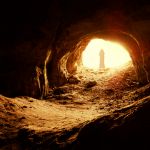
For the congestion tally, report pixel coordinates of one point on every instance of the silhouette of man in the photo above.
(101, 54)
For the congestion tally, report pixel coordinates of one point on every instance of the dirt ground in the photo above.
(87, 96)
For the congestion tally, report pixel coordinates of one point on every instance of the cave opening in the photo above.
(100, 54)
(87, 80)
(100, 60)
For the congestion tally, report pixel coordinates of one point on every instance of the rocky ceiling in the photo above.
(42, 41)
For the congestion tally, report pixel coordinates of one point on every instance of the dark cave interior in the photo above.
(41, 44)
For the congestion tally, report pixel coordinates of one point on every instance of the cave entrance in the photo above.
(103, 60)
(101, 55)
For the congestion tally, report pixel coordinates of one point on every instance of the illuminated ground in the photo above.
(67, 108)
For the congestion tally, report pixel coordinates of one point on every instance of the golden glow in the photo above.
(115, 54)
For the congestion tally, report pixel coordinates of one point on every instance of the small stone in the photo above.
(59, 91)
(73, 80)
(90, 84)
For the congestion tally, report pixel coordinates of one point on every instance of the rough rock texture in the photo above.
(28, 124)
(127, 128)
(42, 42)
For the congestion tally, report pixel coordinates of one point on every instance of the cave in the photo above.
(49, 99)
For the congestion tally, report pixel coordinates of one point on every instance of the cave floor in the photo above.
(69, 106)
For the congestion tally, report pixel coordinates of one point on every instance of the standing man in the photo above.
(102, 59)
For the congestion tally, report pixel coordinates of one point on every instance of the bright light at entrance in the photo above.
(114, 54)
